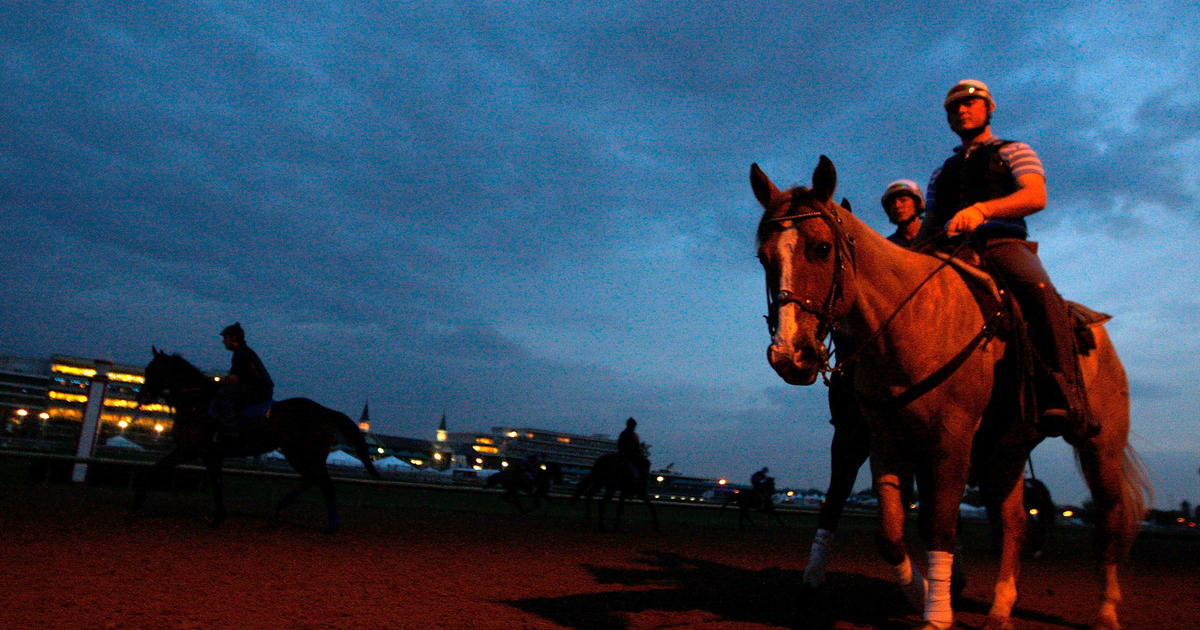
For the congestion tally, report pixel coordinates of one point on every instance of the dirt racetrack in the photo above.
(416, 558)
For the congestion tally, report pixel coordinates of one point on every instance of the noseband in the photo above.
(843, 249)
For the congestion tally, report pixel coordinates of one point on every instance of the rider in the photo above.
(531, 464)
(246, 385)
(629, 445)
(988, 187)
(759, 480)
(904, 204)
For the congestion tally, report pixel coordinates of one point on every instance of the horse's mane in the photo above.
(186, 366)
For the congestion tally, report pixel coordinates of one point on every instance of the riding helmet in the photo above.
(969, 88)
(903, 187)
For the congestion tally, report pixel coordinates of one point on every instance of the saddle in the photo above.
(992, 301)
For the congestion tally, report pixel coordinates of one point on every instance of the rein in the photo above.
(827, 320)
(828, 372)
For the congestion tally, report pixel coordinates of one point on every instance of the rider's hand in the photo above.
(966, 220)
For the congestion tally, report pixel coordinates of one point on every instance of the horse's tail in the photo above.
(349, 429)
(1136, 493)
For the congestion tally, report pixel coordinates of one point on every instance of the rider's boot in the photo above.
(1062, 405)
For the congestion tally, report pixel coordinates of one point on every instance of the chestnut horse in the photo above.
(929, 376)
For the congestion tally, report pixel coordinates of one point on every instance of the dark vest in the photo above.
(981, 177)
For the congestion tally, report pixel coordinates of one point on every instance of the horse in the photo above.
(754, 499)
(938, 401)
(615, 474)
(525, 478)
(302, 429)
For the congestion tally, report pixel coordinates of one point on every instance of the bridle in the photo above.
(843, 250)
(826, 313)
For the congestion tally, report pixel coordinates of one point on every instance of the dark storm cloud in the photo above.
(529, 216)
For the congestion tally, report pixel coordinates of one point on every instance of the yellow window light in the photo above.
(126, 378)
(70, 369)
(77, 398)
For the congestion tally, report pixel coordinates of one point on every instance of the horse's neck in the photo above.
(192, 382)
(900, 295)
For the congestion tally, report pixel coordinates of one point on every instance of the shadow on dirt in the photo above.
(673, 583)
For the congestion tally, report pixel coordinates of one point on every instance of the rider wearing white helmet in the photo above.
(904, 204)
(986, 189)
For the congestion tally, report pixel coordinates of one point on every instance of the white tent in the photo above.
(968, 511)
(120, 441)
(391, 463)
(341, 458)
(275, 454)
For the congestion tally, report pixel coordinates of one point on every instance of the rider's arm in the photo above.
(1028, 198)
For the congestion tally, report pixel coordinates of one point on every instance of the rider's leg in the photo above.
(1050, 330)
(225, 411)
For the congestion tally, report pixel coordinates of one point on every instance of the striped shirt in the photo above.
(1020, 158)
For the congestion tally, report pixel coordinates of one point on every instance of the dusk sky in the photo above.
(539, 215)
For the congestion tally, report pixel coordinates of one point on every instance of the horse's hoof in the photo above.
(995, 622)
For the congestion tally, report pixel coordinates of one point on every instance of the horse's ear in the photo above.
(846, 205)
(764, 189)
(154, 350)
(824, 179)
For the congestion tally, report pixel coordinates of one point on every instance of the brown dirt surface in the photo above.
(407, 558)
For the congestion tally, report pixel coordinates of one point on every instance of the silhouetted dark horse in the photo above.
(615, 474)
(302, 429)
(524, 478)
(1039, 518)
(754, 499)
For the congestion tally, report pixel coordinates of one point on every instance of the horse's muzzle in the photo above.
(796, 366)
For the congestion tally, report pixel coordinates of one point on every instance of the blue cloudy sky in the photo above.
(538, 214)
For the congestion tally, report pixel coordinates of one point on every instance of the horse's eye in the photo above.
(821, 251)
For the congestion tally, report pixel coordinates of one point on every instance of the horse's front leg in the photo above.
(941, 483)
(212, 463)
(153, 474)
(604, 499)
(890, 540)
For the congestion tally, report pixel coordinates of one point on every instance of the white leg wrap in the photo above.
(938, 612)
(818, 555)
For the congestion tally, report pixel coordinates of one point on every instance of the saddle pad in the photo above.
(256, 412)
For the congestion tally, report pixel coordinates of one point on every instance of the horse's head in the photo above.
(167, 374)
(807, 257)
(155, 384)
